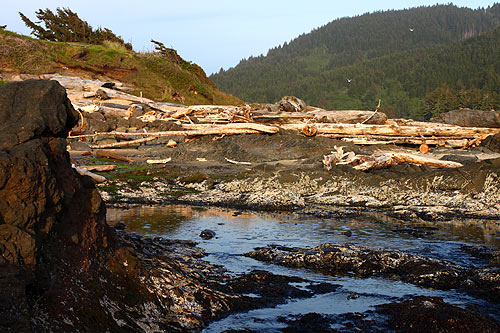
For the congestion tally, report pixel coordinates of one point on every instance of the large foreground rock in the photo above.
(61, 267)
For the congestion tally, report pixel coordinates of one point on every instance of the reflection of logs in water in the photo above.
(166, 219)
(157, 221)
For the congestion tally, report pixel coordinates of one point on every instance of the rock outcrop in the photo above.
(492, 143)
(469, 118)
(364, 262)
(292, 104)
(62, 268)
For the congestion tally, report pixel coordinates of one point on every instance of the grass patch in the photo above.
(111, 188)
(156, 77)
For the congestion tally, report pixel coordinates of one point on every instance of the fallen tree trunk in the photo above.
(411, 122)
(349, 117)
(198, 129)
(392, 130)
(423, 160)
(240, 126)
(280, 118)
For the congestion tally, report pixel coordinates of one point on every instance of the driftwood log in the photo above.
(124, 143)
(349, 117)
(238, 126)
(393, 130)
(453, 142)
(85, 172)
(99, 168)
(382, 160)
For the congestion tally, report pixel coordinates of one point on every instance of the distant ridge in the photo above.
(399, 56)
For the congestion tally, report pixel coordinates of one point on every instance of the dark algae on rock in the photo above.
(365, 262)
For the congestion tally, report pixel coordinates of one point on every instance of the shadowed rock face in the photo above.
(61, 267)
(492, 142)
(47, 213)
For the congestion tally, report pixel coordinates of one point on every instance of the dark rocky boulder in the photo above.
(39, 190)
(62, 268)
(292, 104)
(492, 143)
(470, 118)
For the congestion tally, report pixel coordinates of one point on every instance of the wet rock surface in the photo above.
(286, 173)
(418, 314)
(61, 267)
(207, 234)
(365, 262)
(431, 314)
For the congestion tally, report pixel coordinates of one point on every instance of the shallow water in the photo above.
(239, 232)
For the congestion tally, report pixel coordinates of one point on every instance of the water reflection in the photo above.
(238, 232)
(178, 221)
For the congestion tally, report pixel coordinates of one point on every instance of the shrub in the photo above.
(66, 26)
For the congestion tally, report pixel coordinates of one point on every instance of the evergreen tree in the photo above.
(66, 26)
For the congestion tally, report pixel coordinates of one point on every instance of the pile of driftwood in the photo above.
(381, 160)
(290, 113)
(356, 126)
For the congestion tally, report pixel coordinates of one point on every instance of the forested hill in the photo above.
(399, 56)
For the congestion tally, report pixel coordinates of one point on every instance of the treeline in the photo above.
(399, 56)
(66, 26)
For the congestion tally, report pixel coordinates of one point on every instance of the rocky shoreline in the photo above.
(62, 268)
(294, 179)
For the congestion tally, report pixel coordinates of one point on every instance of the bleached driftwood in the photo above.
(415, 123)
(281, 117)
(349, 117)
(382, 160)
(163, 161)
(243, 126)
(181, 113)
(124, 143)
(195, 130)
(85, 172)
(376, 139)
(391, 130)
(236, 162)
(99, 168)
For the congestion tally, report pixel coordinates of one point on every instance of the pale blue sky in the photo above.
(213, 34)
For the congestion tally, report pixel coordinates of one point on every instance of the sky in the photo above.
(213, 34)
